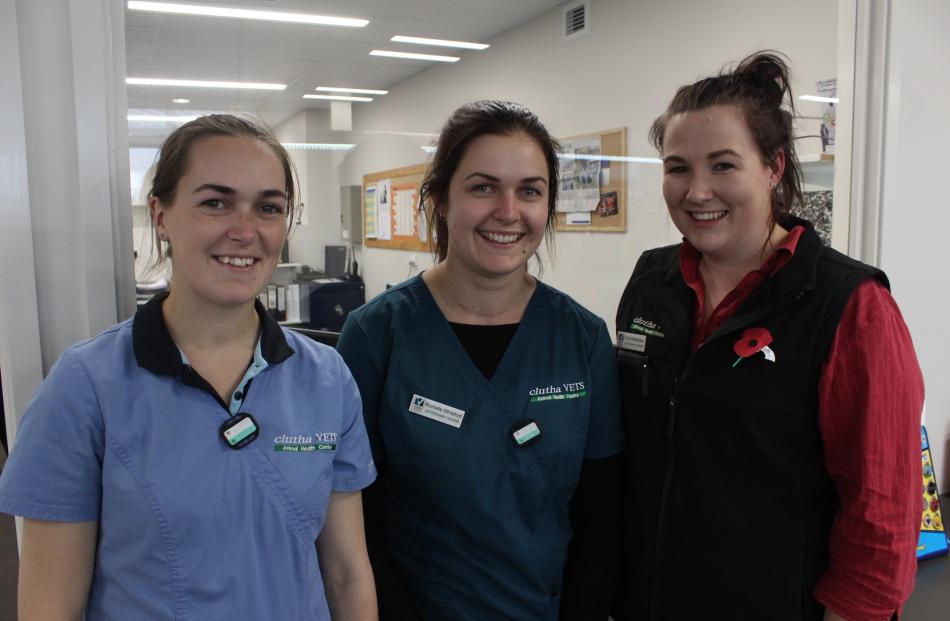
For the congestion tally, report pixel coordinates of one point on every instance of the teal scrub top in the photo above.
(479, 523)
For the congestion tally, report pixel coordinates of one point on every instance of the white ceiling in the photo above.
(298, 55)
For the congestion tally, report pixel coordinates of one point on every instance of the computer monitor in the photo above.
(335, 261)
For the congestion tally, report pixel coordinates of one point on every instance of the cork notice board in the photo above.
(593, 188)
(391, 214)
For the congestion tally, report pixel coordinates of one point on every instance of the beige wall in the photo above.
(621, 74)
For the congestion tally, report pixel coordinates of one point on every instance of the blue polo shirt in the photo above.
(476, 503)
(123, 432)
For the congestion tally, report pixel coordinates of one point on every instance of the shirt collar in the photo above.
(690, 256)
(156, 351)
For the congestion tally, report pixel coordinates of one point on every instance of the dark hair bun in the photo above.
(768, 73)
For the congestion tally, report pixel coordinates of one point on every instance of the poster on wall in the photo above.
(384, 229)
(369, 213)
(404, 207)
(828, 88)
(580, 175)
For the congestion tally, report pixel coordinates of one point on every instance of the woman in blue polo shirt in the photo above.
(490, 399)
(181, 464)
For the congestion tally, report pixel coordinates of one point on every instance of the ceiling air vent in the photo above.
(575, 20)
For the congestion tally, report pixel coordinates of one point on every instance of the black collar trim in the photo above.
(156, 351)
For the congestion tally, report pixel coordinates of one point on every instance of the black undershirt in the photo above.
(485, 345)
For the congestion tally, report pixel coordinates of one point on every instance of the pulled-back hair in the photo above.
(760, 88)
(173, 159)
(480, 118)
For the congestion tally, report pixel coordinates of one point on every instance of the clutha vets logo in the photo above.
(568, 390)
(645, 326)
(302, 443)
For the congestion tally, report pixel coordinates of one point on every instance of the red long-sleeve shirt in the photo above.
(870, 395)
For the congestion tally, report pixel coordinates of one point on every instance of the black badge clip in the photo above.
(525, 432)
(240, 430)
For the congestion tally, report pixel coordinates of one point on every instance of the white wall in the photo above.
(319, 191)
(621, 74)
(915, 218)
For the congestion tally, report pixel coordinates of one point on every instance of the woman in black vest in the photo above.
(771, 391)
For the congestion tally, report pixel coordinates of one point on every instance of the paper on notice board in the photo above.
(580, 175)
(369, 213)
(404, 203)
(423, 225)
(384, 229)
(578, 217)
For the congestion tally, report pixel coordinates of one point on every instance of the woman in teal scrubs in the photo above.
(490, 399)
(181, 464)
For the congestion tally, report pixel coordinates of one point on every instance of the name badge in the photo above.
(239, 430)
(632, 341)
(525, 432)
(439, 412)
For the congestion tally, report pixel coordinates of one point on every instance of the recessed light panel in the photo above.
(338, 97)
(340, 89)
(819, 98)
(155, 118)
(203, 84)
(268, 16)
(411, 56)
(440, 42)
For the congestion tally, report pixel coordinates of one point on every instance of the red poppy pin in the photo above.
(754, 340)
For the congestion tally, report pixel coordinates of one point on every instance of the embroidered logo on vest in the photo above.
(645, 326)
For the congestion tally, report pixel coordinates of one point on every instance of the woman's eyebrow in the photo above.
(223, 189)
(722, 152)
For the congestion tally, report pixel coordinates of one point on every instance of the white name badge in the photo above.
(527, 433)
(436, 411)
(632, 341)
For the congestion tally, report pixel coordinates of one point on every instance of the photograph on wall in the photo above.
(607, 206)
(580, 175)
(817, 210)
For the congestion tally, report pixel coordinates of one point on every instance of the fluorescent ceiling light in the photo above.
(340, 89)
(429, 150)
(441, 59)
(155, 118)
(610, 158)
(204, 84)
(338, 97)
(181, 100)
(818, 98)
(316, 146)
(440, 42)
(269, 16)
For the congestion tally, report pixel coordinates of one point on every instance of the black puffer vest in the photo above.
(729, 503)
